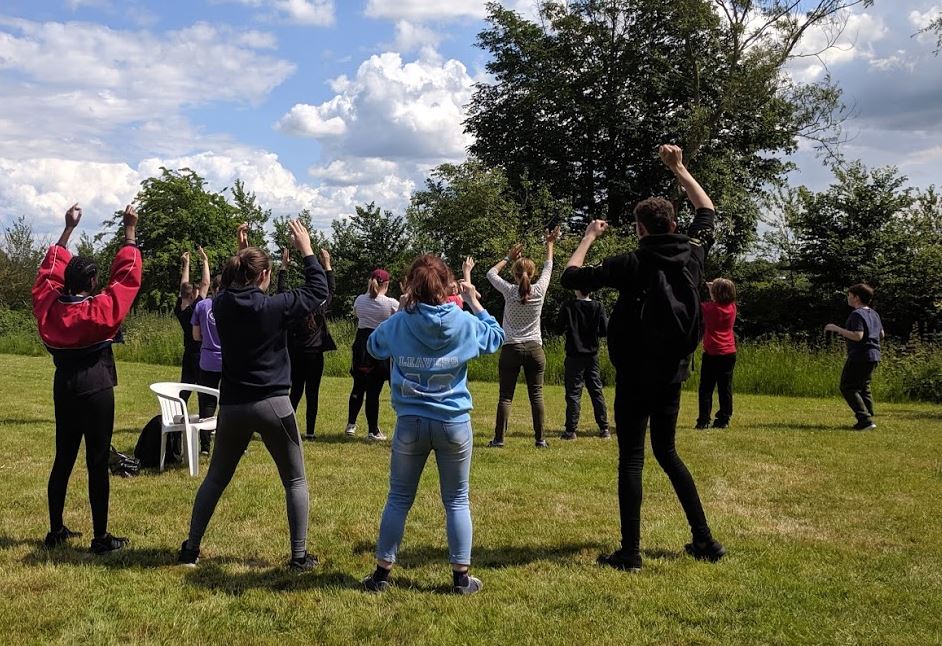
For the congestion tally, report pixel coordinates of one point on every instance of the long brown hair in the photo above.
(428, 281)
(523, 271)
(724, 291)
(244, 268)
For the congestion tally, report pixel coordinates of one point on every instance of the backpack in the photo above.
(148, 446)
(659, 319)
(122, 465)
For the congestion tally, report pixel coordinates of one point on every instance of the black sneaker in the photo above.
(57, 538)
(541, 444)
(474, 586)
(604, 434)
(721, 423)
(702, 426)
(568, 435)
(710, 550)
(864, 425)
(374, 585)
(620, 560)
(108, 543)
(188, 556)
(309, 437)
(304, 563)
(495, 444)
(204, 448)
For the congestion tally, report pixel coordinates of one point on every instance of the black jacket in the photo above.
(633, 363)
(253, 334)
(309, 334)
(583, 323)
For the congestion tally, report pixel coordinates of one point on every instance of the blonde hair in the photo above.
(523, 271)
(373, 287)
(724, 291)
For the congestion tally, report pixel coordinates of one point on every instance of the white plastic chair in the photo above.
(174, 418)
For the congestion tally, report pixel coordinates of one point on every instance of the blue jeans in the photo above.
(415, 438)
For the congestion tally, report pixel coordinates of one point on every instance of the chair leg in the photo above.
(192, 447)
(163, 450)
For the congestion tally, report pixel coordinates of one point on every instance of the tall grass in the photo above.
(772, 366)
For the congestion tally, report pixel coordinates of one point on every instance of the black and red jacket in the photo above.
(78, 330)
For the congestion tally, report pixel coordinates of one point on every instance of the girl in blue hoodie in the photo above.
(430, 343)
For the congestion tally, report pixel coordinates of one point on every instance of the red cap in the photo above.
(380, 275)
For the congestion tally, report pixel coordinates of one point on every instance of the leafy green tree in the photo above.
(372, 238)
(248, 211)
(177, 213)
(580, 101)
(282, 241)
(20, 256)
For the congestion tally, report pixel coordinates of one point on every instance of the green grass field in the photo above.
(833, 536)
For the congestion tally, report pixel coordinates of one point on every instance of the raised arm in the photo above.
(313, 293)
(184, 269)
(324, 258)
(614, 271)
(50, 279)
(493, 274)
(283, 271)
(673, 158)
(205, 277)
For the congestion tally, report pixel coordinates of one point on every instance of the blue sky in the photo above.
(324, 104)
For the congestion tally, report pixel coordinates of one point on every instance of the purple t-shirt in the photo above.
(210, 351)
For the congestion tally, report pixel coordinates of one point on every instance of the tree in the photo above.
(177, 213)
(372, 238)
(282, 240)
(581, 101)
(20, 256)
(248, 211)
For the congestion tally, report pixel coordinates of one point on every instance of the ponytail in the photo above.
(523, 271)
(372, 286)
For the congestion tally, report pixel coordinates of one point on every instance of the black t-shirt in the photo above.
(185, 317)
(867, 321)
(583, 322)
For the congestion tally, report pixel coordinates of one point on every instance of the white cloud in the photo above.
(825, 45)
(922, 19)
(342, 172)
(318, 13)
(392, 110)
(411, 37)
(425, 9)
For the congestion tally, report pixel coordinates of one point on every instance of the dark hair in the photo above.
(724, 291)
(428, 280)
(863, 291)
(81, 275)
(523, 271)
(656, 215)
(217, 283)
(187, 290)
(244, 268)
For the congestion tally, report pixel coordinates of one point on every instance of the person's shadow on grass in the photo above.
(489, 557)
(212, 576)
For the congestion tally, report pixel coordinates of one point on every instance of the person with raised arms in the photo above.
(190, 295)
(78, 328)
(256, 379)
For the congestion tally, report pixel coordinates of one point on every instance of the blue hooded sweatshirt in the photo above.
(430, 348)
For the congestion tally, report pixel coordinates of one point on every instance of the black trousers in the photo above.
(366, 386)
(306, 372)
(189, 372)
(90, 417)
(855, 386)
(716, 372)
(635, 404)
(207, 403)
(579, 370)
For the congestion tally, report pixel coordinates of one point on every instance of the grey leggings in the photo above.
(274, 420)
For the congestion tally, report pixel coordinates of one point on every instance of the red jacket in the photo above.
(718, 321)
(68, 323)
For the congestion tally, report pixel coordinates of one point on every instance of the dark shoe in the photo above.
(374, 585)
(188, 556)
(711, 550)
(309, 437)
(702, 426)
(496, 444)
(568, 435)
(542, 444)
(604, 434)
(204, 448)
(108, 543)
(474, 586)
(57, 538)
(304, 563)
(721, 423)
(621, 561)
(864, 425)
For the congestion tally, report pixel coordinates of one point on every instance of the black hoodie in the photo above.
(252, 332)
(620, 272)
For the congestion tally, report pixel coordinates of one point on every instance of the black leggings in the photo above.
(369, 384)
(189, 372)
(207, 403)
(634, 405)
(306, 372)
(91, 417)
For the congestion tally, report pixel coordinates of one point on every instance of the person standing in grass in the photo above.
(863, 333)
(190, 296)
(523, 348)
(256, 380)
(719, 353)
(583, 322)
(654, 329)
(78, 328)
(369, 375)
(308, 340)
(430, 344)
(205, 333)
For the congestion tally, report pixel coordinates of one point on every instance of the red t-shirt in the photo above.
(718, 320)
(456, 299)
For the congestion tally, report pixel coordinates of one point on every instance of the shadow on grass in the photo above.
(786, 426)
(211, 576)
(487, 557)
(13, 419)
(661, 553)
(907, 413)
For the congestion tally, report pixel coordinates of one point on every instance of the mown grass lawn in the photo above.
(833, 536)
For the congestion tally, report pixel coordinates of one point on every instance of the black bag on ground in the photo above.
(123, 465)
(148, 446)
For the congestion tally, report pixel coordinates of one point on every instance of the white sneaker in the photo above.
(351, 430)
(376, 437)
